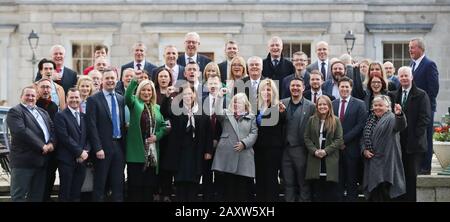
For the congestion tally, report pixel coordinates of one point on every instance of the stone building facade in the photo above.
(381, 28)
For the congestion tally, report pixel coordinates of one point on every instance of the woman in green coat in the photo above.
(146, 128)
(323, 138)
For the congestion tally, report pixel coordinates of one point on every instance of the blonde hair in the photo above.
(240, 97)
(383, 73)
(330, 121)
(144, 83)
(90, 83)
(274, 100)
(241, 60)
(213, 66)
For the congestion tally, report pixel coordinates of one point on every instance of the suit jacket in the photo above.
(426, 77)
(223, 67)
(214, 135)
(308, 95)
(28, 137)
(244, 130)
(171, 159)
(302, 114)
(68, 80)
(418, 115)
(332, 144)
(72, 139)
(316, 65)
(202, 61)
(148, 67)
(354, 120)
(284, 68)
(287, 80)
(99, 122)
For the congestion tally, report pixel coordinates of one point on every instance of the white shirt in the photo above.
(407, 91)
(175, 73)
(346, 105)
(142, 65)
(40, 120)
(73, 113)
(186, 58)
(108, 100)
(418, 62)
(319, 63)
(319, 93)
(335, 91)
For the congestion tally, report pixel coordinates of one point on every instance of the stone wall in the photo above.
(432, 188)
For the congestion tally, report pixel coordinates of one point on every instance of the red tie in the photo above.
(315, 98)
(342, 113)
(58, 70)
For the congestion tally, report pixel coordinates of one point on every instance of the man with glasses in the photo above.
(300, 61)
(191, 44)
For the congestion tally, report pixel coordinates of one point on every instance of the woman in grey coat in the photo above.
(234, 158)
(384, 178)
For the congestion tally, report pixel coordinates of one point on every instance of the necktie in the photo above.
(404, 98)
(116, 130)
(323, 71)
(342, 113)
(413, 66)
(77, 116)
(275, 62)
(190, 59)
(138, 66)
(213, 116)
(58, 70)
(315, 98)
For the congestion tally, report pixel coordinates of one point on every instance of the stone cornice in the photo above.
(399, 28)
(184, 27)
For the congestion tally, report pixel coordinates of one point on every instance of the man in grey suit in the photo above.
(293, 165)
(323, 63)
(32, 140)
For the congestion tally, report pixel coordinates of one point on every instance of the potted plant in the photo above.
(441, 144)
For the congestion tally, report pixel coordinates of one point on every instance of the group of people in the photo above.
(239, 128)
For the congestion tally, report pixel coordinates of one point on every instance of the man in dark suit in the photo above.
(300, 60)
(65, 77)
(32, 140)
(275, 66)
(416, 107)
(251, 82)
(323, 63)
(170, 62)
(72, 148)
(426, 77)
(231, 51)
(316, 82)
(139, 62)
(353, 114)
(191, 44)
(106, 124)
(293, 164)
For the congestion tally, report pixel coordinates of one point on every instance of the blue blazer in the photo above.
(426, 77)
(202, 61)
(148, 67)
(99, 122)
(72, 139)
(354, 121)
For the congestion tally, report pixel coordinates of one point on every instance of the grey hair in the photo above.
(405, 69)
(383, 98)
(420, 42)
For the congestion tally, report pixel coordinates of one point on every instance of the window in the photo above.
(397, 53)
(82, 55)
(290, 48)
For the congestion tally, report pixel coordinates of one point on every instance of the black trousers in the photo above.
(141, 183)
(380, 193)
(324, 191)
(348, 176)
(411, 165)
(186, 191)
(234, 188)
(52, 166)
(209, 189)
(71, 178)
(267, 166)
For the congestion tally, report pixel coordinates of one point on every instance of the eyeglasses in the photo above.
(375, 83)
(299, 60)
(237, 65)
(191, 42)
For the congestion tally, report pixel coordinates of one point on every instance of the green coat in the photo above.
(135, 143)
(332, 144)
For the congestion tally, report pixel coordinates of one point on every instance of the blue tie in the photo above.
(323, 71)
(116, 130)
(413, 66)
